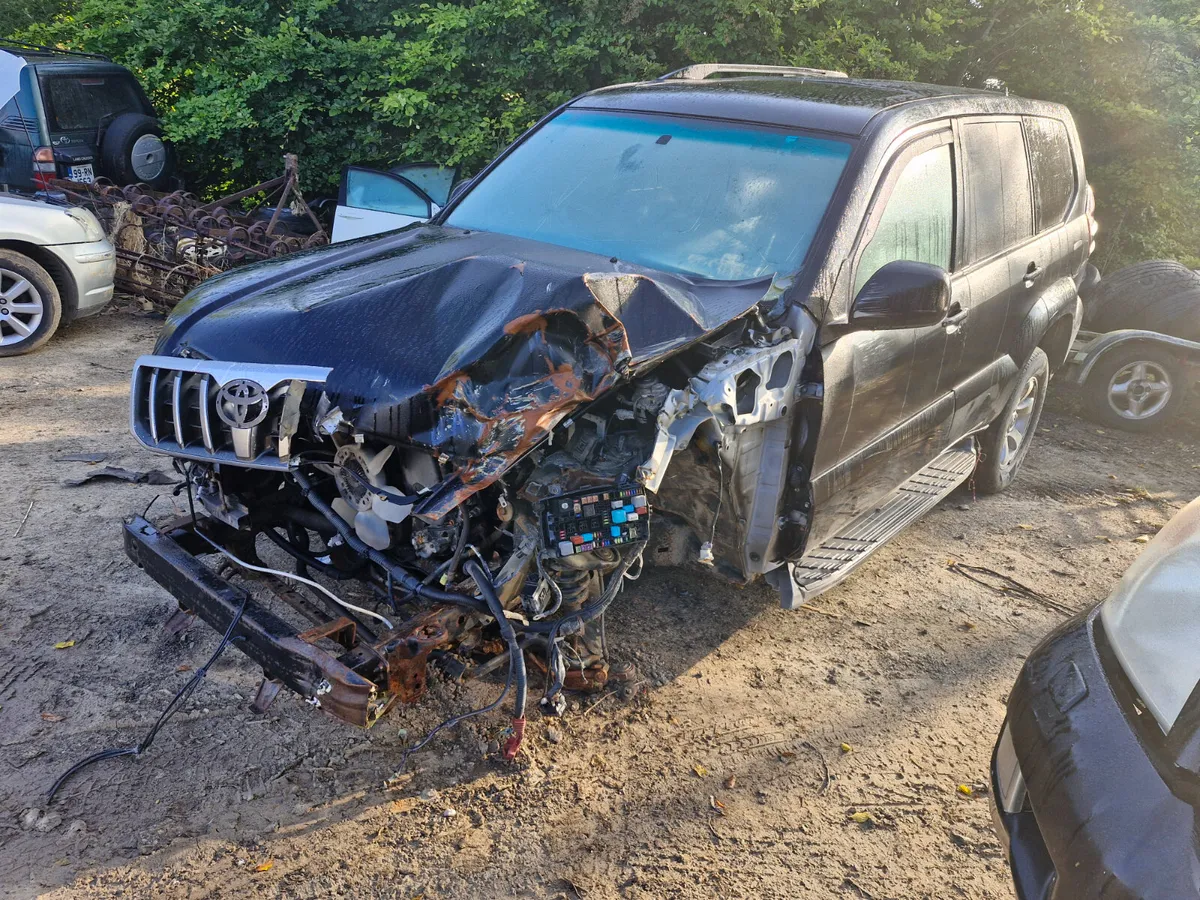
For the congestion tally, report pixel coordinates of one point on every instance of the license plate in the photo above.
(82, 174)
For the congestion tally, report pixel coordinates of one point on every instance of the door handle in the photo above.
(955, 316)
(1032, 274)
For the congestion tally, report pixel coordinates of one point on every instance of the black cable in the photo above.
(172, 707)
(516, 665)
(480, 576)
(572, 623)
(306, 558)
(403, 577)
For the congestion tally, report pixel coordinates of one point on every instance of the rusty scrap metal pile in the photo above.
(167, 243)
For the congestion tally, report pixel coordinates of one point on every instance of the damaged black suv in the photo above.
(758, 317)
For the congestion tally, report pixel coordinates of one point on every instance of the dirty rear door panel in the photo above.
(997, 219)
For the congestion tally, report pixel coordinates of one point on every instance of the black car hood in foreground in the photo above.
(470, 343)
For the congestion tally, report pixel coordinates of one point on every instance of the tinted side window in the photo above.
(999, 207)
(918, 222)
(1053, 170)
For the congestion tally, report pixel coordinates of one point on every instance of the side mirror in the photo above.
(902, 294)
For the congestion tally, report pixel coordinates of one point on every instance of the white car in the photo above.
(56, 266)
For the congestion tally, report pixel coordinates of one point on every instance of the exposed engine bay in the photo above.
(488, 513)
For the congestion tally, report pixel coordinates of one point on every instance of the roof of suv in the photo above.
(842, 105)
(40, 56)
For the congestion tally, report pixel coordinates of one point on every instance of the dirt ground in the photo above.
(736, 772)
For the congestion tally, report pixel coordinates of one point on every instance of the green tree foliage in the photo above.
(382, 81)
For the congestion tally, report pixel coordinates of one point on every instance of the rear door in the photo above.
(997, 221)
(372, 202)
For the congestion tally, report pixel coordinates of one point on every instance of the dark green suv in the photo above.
(78, 116)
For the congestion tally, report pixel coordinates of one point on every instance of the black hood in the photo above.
(470, 343)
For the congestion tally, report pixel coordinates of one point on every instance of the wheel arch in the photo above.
(1056, 341)
(57, 269)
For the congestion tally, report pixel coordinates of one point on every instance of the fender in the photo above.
(1058, 303)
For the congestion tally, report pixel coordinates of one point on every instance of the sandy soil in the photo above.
(727, 776)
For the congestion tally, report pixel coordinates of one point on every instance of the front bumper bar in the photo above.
(284, 654)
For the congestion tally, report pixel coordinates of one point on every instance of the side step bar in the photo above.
(824, 566)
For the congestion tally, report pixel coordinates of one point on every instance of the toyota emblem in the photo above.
(242, 403)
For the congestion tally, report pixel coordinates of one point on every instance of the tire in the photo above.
(30, 306)
(133, 151)
(1155, 385)
(1158, 295)
(1006, 442)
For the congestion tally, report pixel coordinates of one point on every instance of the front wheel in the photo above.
(1136, 388)
(1005, 443)
(30, 307)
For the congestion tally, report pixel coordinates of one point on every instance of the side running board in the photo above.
(824, 566)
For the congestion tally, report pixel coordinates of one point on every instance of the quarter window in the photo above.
(999, 208)
(1053, 169)
(918, 222)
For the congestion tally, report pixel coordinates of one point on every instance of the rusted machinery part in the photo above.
(173, 214)
(278, 247)
(406, 650)
(144, 205)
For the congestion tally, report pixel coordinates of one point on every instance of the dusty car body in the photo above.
(759, 331)
(56, 266)
(1096, 776)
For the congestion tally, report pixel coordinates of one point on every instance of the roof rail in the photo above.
(21, 45)
(701, 71)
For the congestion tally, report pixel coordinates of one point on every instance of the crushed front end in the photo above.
(476, 498)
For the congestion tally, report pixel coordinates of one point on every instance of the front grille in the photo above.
(178, 406)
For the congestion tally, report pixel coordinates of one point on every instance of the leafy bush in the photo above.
(377, 82)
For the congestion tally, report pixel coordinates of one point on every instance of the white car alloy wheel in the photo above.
(21, 308)
(1140, 390)
(1018, 425)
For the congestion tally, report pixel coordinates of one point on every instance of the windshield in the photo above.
(719, 200)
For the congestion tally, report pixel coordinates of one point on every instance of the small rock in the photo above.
(553, 735)
(449, 812)
(429, 795)
(29, 818)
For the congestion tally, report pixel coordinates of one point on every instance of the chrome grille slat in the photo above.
(152, 405)
(205, 424)
(175, 431)
(177, 410)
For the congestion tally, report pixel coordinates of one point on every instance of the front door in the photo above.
(372, 202)
(886, 412)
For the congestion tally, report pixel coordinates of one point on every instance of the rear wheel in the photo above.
(30, 307)
(1136, 388)
(1006, 442)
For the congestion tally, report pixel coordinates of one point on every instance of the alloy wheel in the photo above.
(1139, 390)
(1018, 425)
(21, 308)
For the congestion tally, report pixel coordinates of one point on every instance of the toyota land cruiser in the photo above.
(758, 317)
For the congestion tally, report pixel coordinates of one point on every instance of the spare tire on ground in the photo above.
(1158, 295)
(133, 151)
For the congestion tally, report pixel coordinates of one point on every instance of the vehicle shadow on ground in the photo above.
(675, 629)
